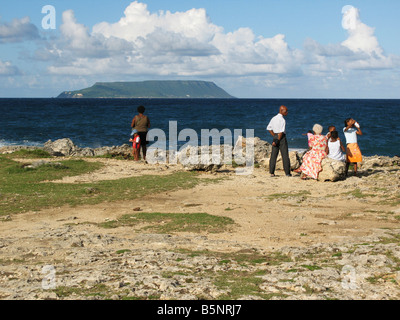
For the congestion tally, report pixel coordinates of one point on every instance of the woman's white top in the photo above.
(334, 151)
(350, 135)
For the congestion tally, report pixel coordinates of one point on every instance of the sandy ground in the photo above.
(269, 212)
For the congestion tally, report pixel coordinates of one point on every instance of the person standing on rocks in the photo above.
(141, 123)
(277, 129)
(353, 152)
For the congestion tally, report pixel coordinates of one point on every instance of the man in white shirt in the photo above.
(277, 128)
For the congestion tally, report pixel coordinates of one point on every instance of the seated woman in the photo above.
(335, 147)
(311, 165)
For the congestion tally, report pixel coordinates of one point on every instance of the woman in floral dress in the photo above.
(311, 165)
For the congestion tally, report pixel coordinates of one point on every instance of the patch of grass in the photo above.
(29, 154)
(338, 255)
(172, 222)
(311, 268)
(357, 193)
(23, 189)
(243, 257)
(292, 271)
(283, 196)
(116, 156)
(150, 297)
(122, 251)
(392, 200)
(100, 290)
(392, 238)
(239, 284)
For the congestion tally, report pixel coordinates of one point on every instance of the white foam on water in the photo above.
(6, 143)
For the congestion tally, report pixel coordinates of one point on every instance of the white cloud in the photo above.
(187, 44)
(361, 37)
(77, 39)
(360, 51)
(181, 43)
(7, 69)
(18, 30)
(138, 22)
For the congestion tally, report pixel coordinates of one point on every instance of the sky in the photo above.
(252, 48)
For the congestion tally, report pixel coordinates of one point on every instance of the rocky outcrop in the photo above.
(66, 148)
(370, 163)
(332, 170)
(206, 158)
(61, 147)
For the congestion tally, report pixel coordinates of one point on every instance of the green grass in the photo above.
(239, 284)
(311, 268)
(28, 189)
(29, 154)
(243, 257)
(282, 196)
(357, 193)
(172, 222)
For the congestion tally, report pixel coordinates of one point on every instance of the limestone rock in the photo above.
(332, 170)
(202, 158)
(261, 149)
(60, 148)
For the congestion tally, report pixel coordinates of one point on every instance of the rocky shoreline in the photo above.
(332, 170)
(292, 239)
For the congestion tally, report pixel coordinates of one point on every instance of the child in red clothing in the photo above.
(135, 144)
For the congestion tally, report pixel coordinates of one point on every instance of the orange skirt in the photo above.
(353, 153)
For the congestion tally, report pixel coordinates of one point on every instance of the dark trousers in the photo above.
(284, 149)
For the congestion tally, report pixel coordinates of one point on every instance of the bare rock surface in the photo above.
(292, 239)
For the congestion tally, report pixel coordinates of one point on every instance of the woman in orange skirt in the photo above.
(353, 152)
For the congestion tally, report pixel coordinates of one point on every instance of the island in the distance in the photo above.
(173, 89)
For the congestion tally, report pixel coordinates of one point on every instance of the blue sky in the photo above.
(253, 49)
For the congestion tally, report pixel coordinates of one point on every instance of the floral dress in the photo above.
(311, 165)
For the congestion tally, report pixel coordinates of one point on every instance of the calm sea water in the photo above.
(106, 122)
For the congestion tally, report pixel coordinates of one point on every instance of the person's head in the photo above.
(134, 132)
(334, 135)
(283, 110)
(141, 109)
(347, 121)
(318, 129)
(331, 128)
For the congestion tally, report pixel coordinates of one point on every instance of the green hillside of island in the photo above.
(150, 89)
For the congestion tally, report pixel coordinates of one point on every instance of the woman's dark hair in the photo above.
(334, 134)
(345, 121)
(141, 109)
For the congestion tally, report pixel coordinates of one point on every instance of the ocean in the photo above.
(106, 122)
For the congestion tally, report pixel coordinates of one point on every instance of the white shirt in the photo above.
(335, 151)
(350, 135)
(277, 124)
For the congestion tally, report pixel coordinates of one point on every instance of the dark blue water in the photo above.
(106, 122)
